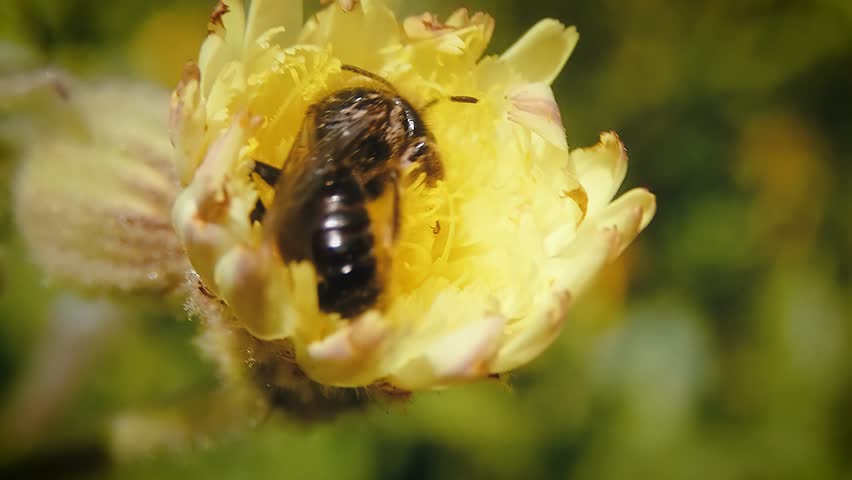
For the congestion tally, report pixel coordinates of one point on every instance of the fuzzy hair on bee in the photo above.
(337, 196)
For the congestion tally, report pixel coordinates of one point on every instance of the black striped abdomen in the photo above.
(342, 247)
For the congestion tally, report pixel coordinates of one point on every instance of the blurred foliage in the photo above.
(718, 348)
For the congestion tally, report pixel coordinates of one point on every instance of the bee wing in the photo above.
(297, 191)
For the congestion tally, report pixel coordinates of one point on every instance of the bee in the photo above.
(337, 195)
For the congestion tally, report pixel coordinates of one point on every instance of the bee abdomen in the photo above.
(342, 245)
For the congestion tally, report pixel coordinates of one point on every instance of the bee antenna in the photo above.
(464, 99)
(454, 98)
(368, 74)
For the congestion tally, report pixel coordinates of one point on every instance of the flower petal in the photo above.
(462, 34)
(600, 169)
(202, 208)
(462, 354)
(346, 357)
(528, 337)
(187, 123)
(241, 276)
(533, 106)
(212, 58)
(266, 15)
(346, 5)
(629, 214)
(344, 31)
(542, 52)
(203, 242)
(231, 15)
(532, 336)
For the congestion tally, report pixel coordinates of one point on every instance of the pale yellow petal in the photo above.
(461, 18)
(204, 242)
(530, 337)
(484, 25)
(460, 35)
(542, 52)
(493, 74)
(201, 210)
(212, 58)
(344, 31)
(533, 106)
(461, 354)
(208, 184)
(347, 357)
(265, 15)
(241, 275)
(346, 5)
(227, 86)
(187, 124)
(600, 169)
(629, 214)
(234, 23)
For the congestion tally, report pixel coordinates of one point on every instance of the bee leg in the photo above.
(427, 160)
(258, 212)
(396, 215)
(267, 172)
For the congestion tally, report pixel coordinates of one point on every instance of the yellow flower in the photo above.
(487, 259)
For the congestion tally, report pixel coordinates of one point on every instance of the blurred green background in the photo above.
(717, 348)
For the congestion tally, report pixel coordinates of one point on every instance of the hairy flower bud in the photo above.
(92, 197)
